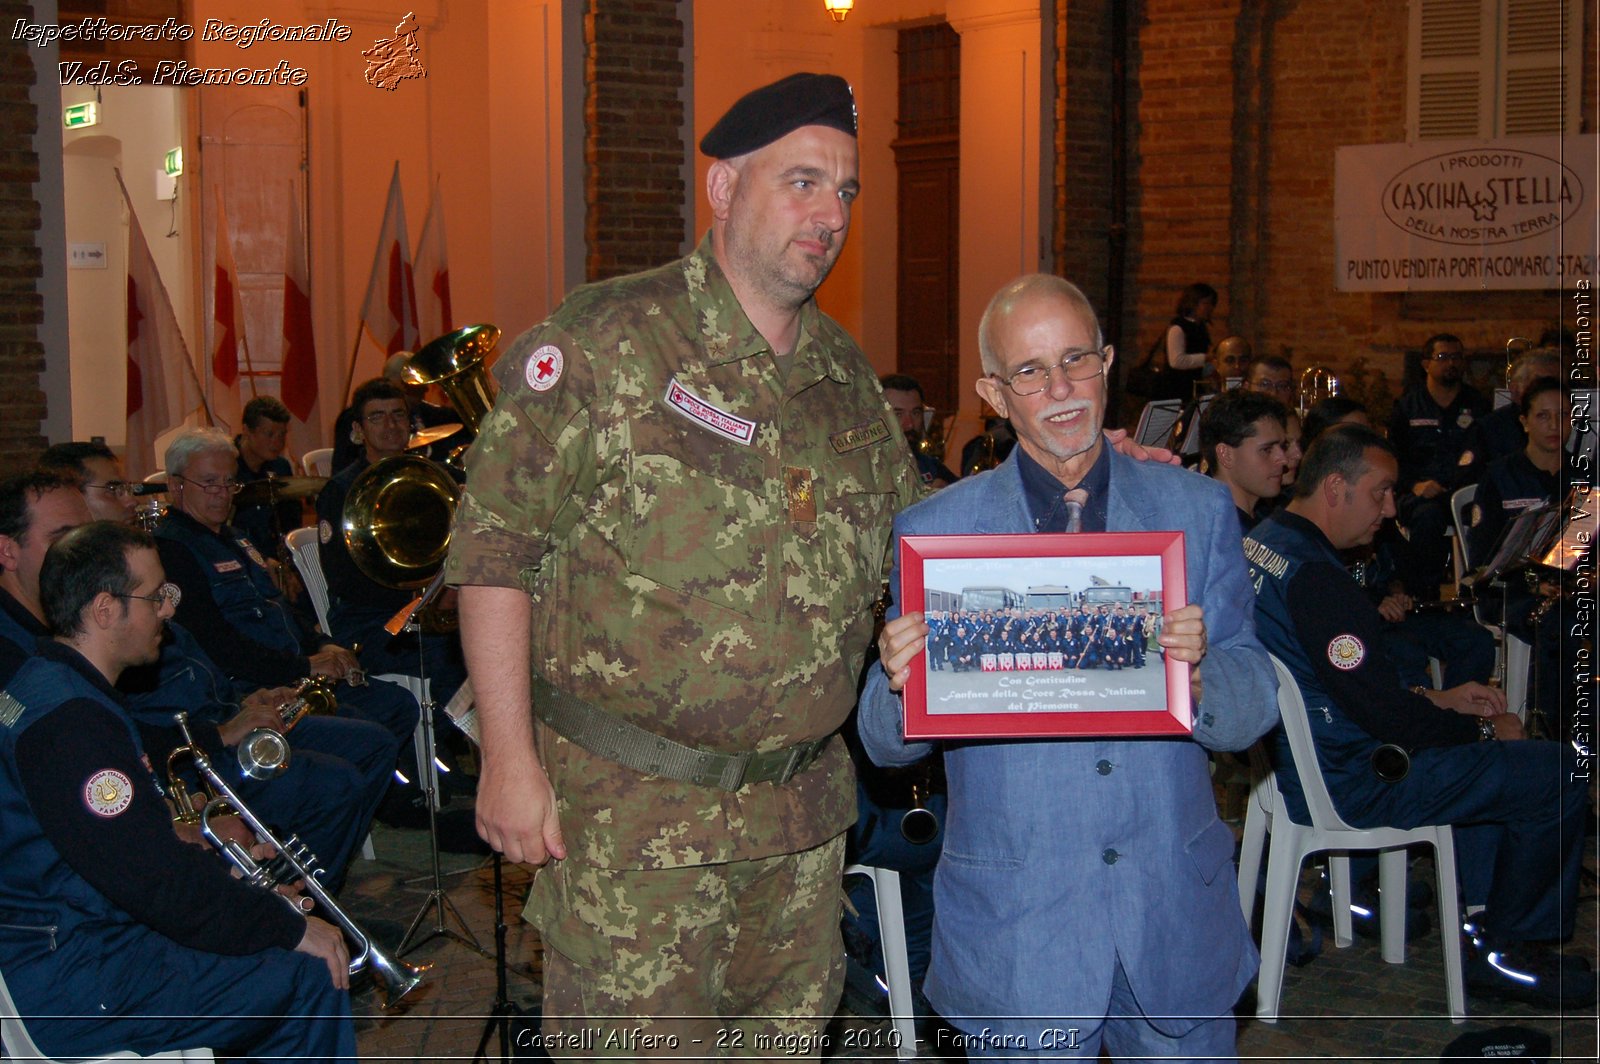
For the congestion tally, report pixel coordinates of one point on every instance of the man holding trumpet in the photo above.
(114, 935)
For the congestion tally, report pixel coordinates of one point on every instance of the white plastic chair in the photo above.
(19, 1044)
(1460, 512)
(318, 462)
(897, 969)
(302, 544)
(1292, 843)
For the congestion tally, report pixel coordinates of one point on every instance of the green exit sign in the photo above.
(172, 164)
(79, 115)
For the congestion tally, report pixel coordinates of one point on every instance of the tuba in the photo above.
(396, 520)
(455, 363)
(393, 978)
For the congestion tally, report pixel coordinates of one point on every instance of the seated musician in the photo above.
(340, 768)
(260, 447)
(36, 509)
(98, 472)
(230, 603)
(358, 606)
(115, 934)
(348, 444)
(1511, 484)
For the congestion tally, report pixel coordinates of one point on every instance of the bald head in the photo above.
(1024, 291)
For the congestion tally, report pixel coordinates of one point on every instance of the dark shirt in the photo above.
(134, 858)
(1500, 432)
(12, 652)
(1434, 442)
(241, 657)
(1509, 486)
(265, 525)
(1325, 605)
(1043, 493)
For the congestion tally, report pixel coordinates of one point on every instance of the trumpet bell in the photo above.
(396, 520)
(263, 754)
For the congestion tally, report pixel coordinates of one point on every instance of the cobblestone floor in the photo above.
(1346, 1005)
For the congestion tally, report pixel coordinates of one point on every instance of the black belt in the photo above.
(615, 739)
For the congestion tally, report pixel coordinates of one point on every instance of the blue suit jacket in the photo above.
(1062, 856)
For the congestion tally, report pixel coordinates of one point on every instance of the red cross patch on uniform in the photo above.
(544, 368)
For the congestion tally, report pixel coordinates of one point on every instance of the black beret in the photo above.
(773, 111)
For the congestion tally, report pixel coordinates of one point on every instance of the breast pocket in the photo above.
(704, 532)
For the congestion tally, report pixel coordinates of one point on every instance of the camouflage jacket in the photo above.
(703, 536)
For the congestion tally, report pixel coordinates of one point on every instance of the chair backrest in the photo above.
(13, 1035)
(303, 547)
(318, 463)
(1460, 511)
(1292, 708)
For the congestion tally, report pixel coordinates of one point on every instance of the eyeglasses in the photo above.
(1448, 356)
(117, 489)
(378, 417)
(229, 486)
(166, 595)
(1074, 365)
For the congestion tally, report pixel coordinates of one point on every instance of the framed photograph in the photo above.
(1044, 635)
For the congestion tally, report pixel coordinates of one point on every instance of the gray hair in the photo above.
(191, 443)
(1540, 362)
(1007, 299)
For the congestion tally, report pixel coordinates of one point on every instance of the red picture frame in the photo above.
(1025, 580)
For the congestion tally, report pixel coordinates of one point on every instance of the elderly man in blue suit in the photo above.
(1086, 894)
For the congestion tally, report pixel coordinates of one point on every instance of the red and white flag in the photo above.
(162, 387)
(389, 312)
(433, 273)
(229, 350)
(299, 382)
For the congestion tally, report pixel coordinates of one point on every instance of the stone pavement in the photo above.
(1345, 1005)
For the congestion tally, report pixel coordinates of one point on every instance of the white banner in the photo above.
(1465, 215)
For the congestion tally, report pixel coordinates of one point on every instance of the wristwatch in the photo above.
(1485, 730)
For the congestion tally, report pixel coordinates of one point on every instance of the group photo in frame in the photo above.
(1044, 635)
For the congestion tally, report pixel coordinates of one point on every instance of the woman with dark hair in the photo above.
(1523, 478)
(1188, 339)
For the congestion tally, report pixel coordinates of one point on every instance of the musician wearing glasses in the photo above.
(1432, 430)
(230, 602)
(359, 606)
(114, 933)
(1086, 884)
(98, 472)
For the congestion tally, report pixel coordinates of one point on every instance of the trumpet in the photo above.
(312, 695)
(394, 978)
(919, 825)
(263, 754)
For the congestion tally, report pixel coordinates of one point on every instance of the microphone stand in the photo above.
(437, 900)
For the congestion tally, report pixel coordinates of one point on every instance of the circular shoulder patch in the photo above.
(1346, 651)
(324, 531)
(107, 793)
(544, 368)
(1464, 418)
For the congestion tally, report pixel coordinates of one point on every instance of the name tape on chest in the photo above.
(863, 435)
(229, 566)
(108, 793)
(696, 409)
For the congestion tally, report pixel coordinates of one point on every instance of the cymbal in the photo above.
(278, 489)
(433, 434)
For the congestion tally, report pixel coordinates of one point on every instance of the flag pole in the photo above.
(127, 201)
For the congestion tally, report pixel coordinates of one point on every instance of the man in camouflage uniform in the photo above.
(676, 520)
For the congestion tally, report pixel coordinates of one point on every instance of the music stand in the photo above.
(437, 900)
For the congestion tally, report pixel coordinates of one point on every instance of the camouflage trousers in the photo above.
(738, 959)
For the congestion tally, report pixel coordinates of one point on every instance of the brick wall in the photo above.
(1082, 232)
(1237, 109)
(633, 146)
(22, 404)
